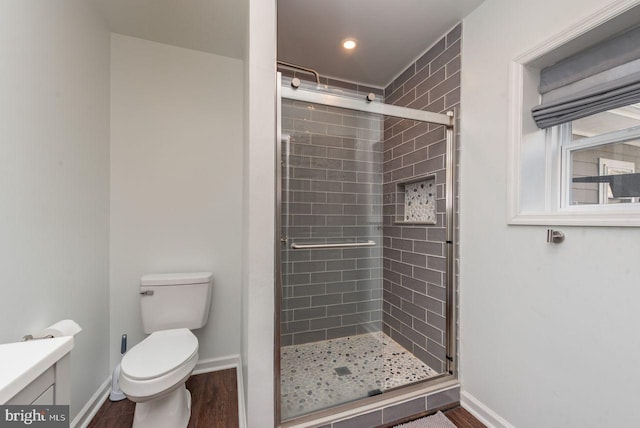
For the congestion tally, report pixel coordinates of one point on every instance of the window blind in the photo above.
(602, 77)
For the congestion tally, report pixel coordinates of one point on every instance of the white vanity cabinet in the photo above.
(36, 372)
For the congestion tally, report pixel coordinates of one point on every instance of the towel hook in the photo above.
(555, 236)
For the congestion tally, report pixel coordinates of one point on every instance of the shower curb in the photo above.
(381, 411)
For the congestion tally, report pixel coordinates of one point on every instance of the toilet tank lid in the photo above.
(176, 278)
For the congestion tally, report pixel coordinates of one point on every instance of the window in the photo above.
(600, 157)
(575, 125)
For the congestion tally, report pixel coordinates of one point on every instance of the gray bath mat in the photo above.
(434, 421)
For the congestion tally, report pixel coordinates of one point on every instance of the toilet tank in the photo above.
(175, 300)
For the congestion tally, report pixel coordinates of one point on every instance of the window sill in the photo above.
(596, 218)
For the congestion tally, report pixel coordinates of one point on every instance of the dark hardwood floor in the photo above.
(462, 419)
(214, 404)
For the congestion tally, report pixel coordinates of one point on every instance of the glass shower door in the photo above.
(331, 257)
(367, 245)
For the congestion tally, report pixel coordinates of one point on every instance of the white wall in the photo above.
(549, 332)
(54, 179)
(258, 218)
(176, 181)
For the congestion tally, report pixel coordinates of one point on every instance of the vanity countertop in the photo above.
(22, 362)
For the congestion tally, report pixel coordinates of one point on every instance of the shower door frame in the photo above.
(447, 120)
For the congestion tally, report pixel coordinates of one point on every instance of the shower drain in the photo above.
(342, 371)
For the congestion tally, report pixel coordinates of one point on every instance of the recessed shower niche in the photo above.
(416, 201)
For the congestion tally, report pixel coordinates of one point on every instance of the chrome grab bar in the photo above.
(341, 245)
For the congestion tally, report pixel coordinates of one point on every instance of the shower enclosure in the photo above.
(365, 285)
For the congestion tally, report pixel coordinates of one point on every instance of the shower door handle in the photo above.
(337, 245)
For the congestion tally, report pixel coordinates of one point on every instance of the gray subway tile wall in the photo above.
(367, 420)
(399, 411)
(414, 255)
(330, 84)
(396, 412)
(332, 192)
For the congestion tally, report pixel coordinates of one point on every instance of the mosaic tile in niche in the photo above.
(420, 201)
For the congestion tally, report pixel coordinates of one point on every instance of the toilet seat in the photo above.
(159, 353)
(158, 364)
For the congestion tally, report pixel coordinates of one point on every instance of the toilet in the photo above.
(153, 373)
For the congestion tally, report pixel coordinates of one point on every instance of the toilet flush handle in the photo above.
(147, 293)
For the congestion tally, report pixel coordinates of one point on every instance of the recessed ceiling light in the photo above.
(349, 44)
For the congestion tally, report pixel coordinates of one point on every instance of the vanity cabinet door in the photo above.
(36, 389)
(46, 398)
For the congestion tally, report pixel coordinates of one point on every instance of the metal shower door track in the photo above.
(350, 103)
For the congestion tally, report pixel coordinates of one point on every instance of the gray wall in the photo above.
(531, 310)
(54, 179)
(169, 150)
(414, 256)
(332, 192)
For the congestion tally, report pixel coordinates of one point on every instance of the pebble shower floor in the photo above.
(319, 375)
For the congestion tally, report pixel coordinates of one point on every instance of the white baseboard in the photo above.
(242, 411)
(481, 412)
(90, 409)
(215, 364)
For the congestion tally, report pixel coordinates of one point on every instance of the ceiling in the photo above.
(214, 26)
(390, 34)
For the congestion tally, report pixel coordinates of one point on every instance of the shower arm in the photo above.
(301, 68)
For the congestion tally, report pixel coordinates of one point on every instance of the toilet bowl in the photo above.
(153, 375)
